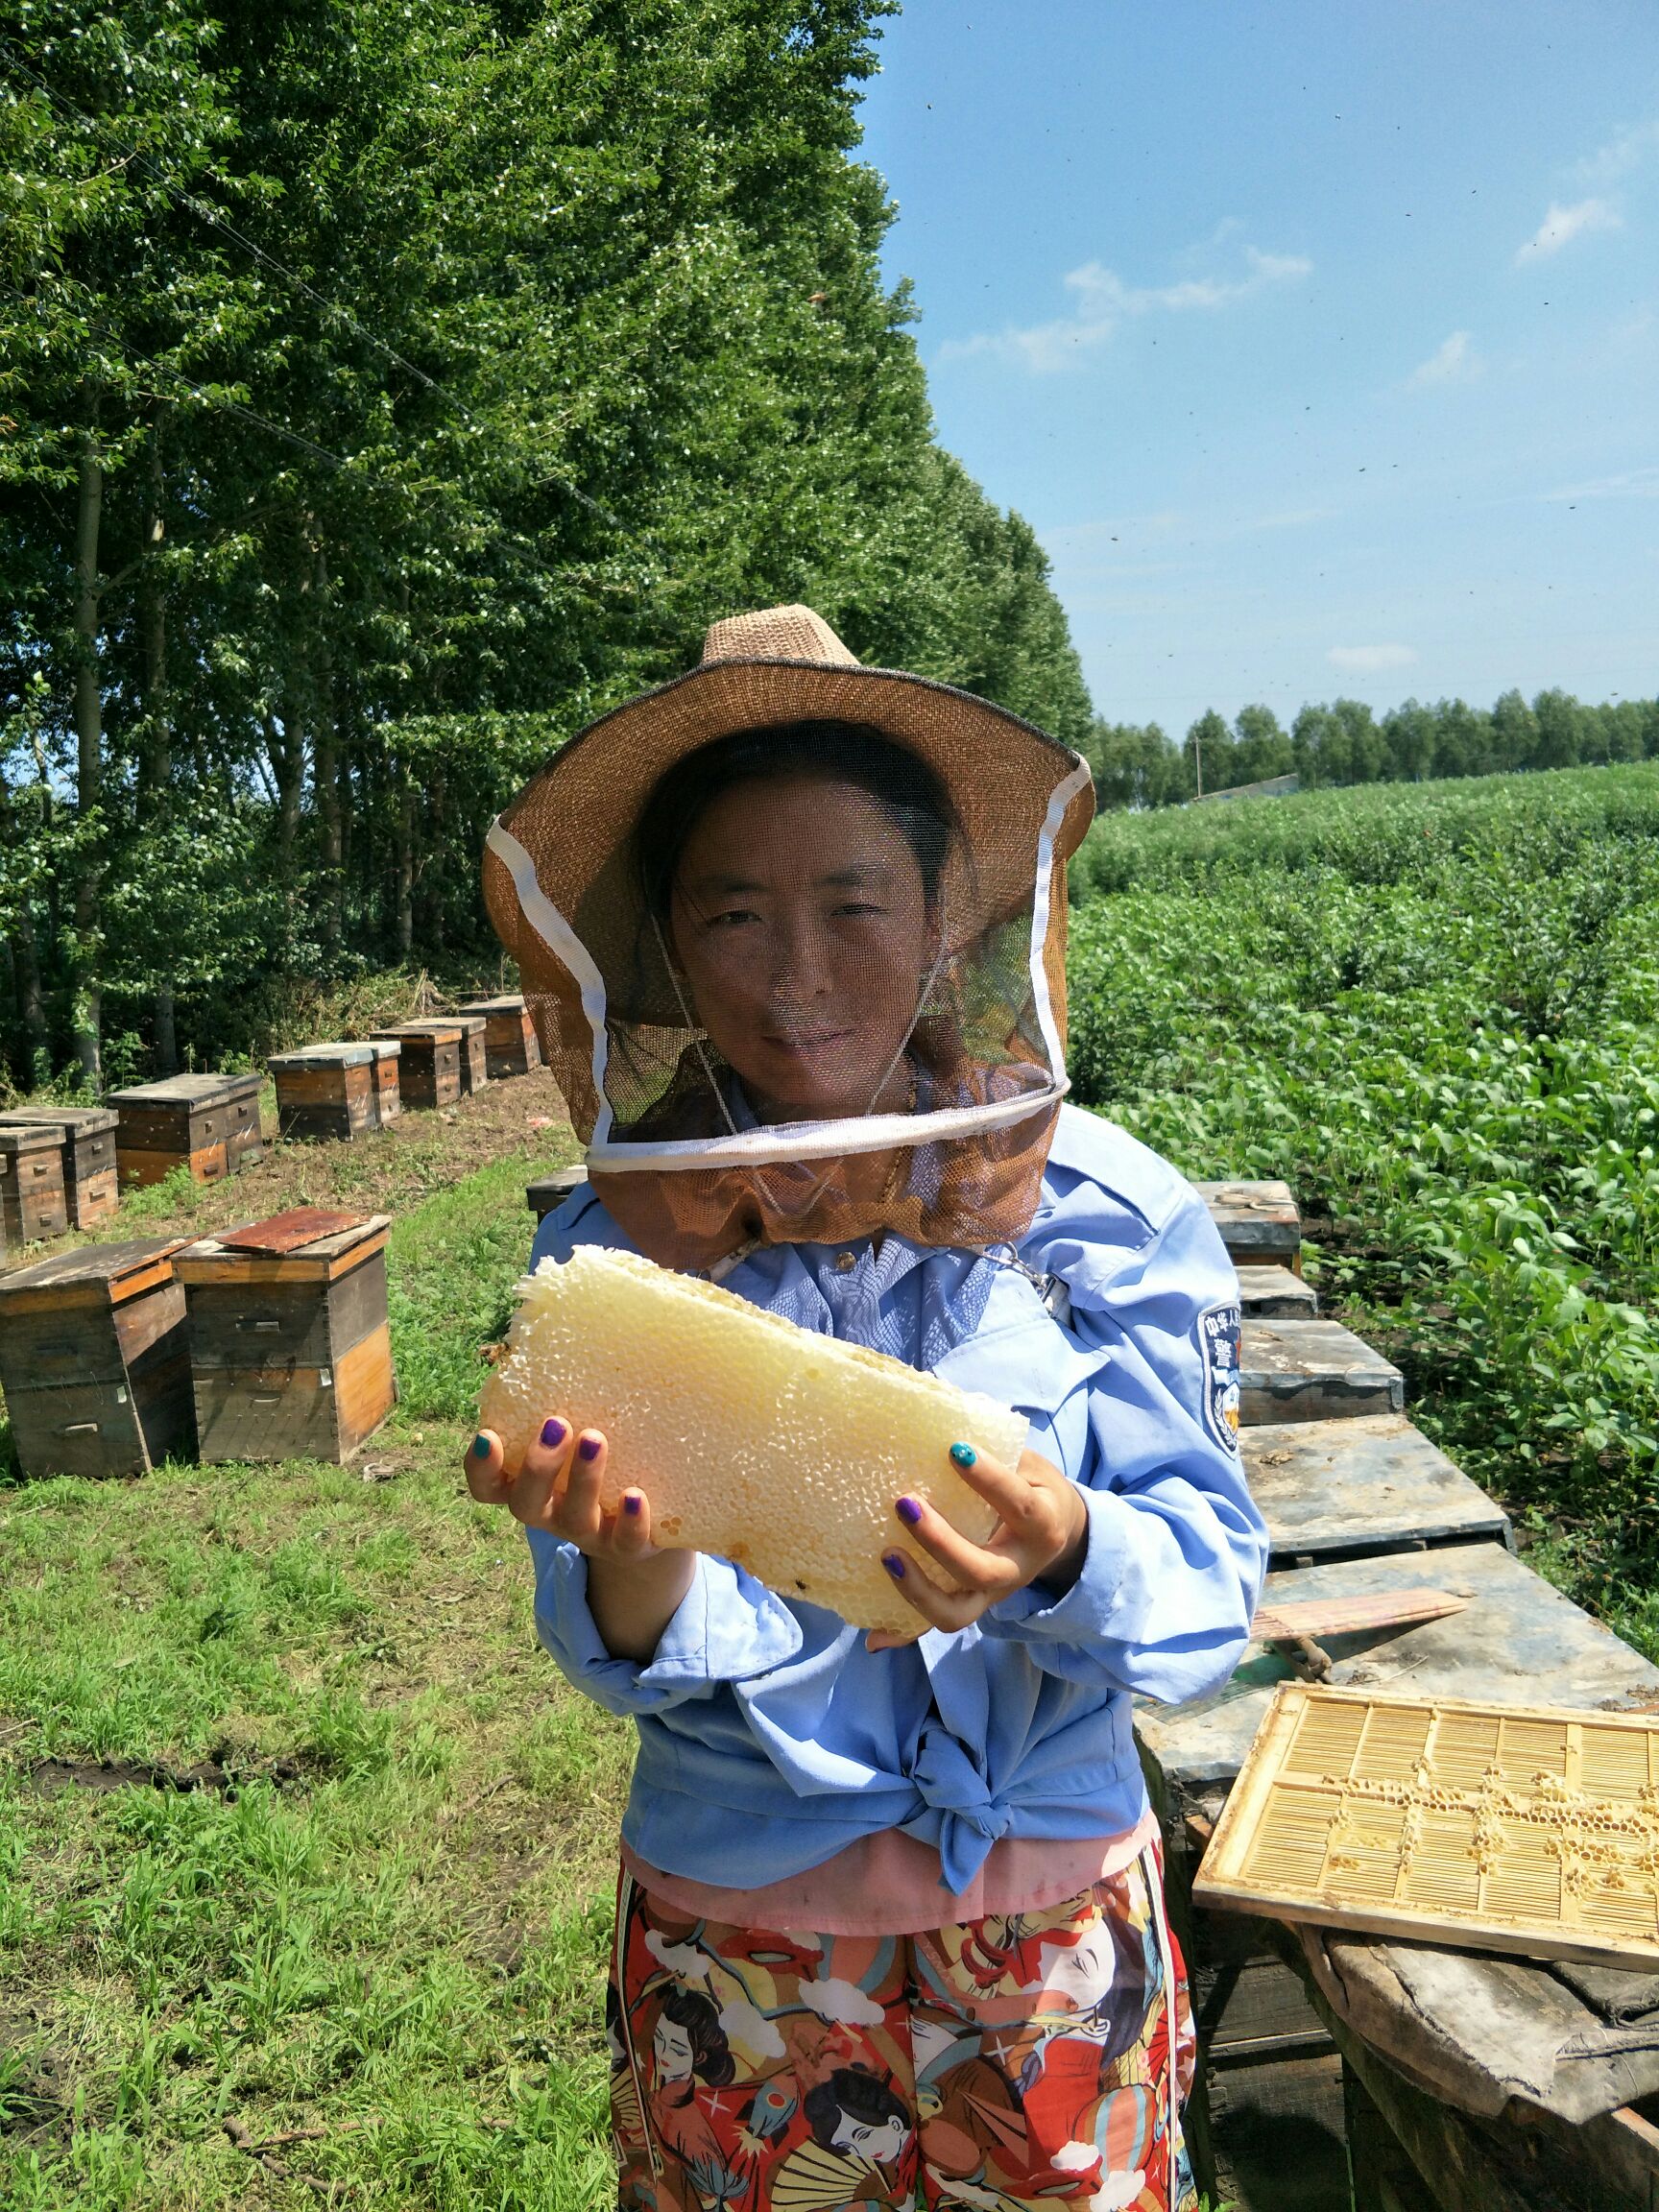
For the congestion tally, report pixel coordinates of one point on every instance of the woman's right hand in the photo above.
(633, 1588)
(557, 1490)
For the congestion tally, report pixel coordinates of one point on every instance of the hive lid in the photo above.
(332, 1054)
(384, 1047)
(77, 1120)
(447, 1031)
(1520, 1828)
(93, 1273)
(31, 1136)
(324, 1258)
(290, 1232)
(512, 1003)
(184, 1090)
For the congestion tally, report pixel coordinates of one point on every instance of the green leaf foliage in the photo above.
(384, 391)
(1436, 1012)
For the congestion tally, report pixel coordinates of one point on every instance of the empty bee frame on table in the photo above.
(1513, 1828)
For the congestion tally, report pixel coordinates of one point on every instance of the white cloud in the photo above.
(1623, 155)
(1562, 224)
(1101, 300)
(1370, 660)
(1627, 484)
(1455, 361)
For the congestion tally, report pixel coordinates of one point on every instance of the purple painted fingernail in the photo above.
(908, 1512)
(964, 1455)
(553, 1432)
(589, 1448)
(894, 1565)
(632, 1502)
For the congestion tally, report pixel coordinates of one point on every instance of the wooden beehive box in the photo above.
(429, 1062)
(387, 1096)
(1513, 1828)
(511, 1046)
(290, 1352)
(1259, 1224)
(91, 1190)
(326, 1091)
(550, 1190)
(95, 1360)
(209, 1123)
(33, 1206)
(1297, 1370)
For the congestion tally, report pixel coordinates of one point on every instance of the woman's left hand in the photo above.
(1041, 1536)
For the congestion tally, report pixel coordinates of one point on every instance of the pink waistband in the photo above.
(888, 1883)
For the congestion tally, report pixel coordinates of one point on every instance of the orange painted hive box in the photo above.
(290, 1351)
(208, 1123)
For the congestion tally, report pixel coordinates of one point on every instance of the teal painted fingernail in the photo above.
(480, 1447)
(964, 1455)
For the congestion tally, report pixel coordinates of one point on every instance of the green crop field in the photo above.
(1435, 1010)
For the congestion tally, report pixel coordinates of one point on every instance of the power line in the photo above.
(208, 398)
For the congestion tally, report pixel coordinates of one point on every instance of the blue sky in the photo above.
(1319, 343)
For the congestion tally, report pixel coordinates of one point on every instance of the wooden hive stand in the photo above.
(511, 1046)
(429, 1062)
(33, 1206)
(209, 1123)
(95, 1360)
(326, 1091)
(290, 1351)
(87, 1134)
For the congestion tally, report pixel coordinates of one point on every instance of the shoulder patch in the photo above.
(1220, 1335)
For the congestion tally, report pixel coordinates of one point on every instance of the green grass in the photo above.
(1435, 1010)
(389, 1925)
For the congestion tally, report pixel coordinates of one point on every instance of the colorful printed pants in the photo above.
(1021, 2063)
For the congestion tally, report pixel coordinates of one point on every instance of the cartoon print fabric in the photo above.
(1019, 2064)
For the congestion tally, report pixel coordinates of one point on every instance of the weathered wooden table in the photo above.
(1259, 1224)
(1313, 1371)
(1342, 1489)
(1275, 1294)
(1265, 2047)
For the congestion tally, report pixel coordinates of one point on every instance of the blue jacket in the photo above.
(770, 1738)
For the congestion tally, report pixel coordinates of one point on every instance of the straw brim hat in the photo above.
(575, 820)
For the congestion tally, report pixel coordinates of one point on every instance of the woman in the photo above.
(794, 930)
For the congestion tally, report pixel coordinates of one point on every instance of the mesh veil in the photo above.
(833, 1027)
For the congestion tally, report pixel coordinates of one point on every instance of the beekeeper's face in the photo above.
(801, 921)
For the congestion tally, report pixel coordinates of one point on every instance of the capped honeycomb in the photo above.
(752, 1438)
(1508, 1828)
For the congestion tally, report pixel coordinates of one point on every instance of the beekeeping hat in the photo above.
(672, 1147)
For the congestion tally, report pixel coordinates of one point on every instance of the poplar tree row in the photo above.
(1137, 765)
(386, 389)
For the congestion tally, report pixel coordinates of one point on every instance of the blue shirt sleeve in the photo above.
(1176, 1548)
(728, 1627)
